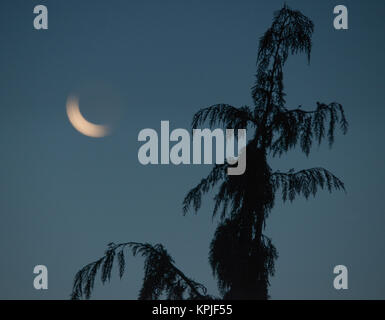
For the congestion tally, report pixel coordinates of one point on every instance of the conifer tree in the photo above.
(241, 256)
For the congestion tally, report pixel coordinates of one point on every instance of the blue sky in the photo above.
(64, 196)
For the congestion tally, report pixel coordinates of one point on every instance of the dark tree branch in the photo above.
(224, 115)
(305, 182)
(161, 275)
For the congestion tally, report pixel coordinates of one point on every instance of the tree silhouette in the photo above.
(241, 256)
(161, 277)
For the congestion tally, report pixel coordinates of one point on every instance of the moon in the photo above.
(81, 124)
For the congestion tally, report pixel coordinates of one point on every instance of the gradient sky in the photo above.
(64, 196)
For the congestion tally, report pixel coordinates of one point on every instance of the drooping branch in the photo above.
(224, 115)
(290, 32)
(299, 126)
(305, 182)
(161, 276)
(194, 197)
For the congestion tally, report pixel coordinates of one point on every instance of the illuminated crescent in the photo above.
(81, 124)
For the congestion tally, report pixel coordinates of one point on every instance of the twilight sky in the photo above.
(64, 196)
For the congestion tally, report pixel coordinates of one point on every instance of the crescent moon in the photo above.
(81, 124)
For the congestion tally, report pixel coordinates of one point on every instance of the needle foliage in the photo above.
(241, 256)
